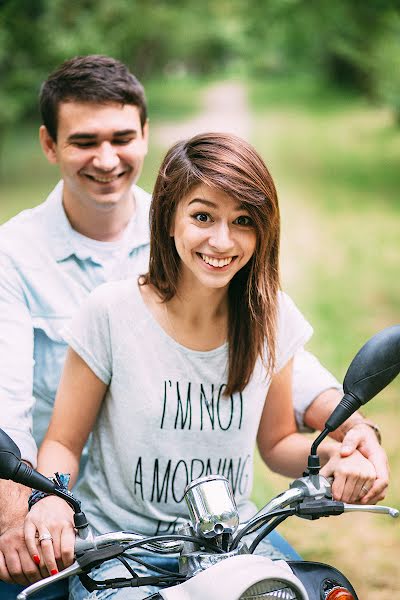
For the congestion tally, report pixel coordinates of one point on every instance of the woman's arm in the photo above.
(77, 404)
(281, 447)
(285, 451)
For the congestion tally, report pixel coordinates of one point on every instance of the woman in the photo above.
(180, 374)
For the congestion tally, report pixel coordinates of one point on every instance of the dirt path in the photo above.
(224, 108)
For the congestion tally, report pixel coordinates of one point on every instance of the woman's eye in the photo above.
(244, 220)
(202, 217)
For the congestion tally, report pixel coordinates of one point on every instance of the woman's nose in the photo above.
(221, 238)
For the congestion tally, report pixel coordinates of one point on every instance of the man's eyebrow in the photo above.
(81, 135)
(124, 132)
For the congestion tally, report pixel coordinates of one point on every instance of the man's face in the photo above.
(100, 150)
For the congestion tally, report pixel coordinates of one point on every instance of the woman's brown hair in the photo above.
(227, 163)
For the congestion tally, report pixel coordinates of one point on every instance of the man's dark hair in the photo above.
(93, 78)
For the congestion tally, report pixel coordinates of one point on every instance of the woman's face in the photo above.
(214, 237)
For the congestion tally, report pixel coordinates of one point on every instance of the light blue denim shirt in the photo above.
(44, 276)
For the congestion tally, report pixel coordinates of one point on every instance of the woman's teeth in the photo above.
(216, 262)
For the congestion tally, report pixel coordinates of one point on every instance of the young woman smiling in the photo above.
(181, 374)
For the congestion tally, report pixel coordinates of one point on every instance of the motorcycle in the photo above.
(215, 561)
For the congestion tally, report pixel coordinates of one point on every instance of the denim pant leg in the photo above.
(279, 542)
(56, 591)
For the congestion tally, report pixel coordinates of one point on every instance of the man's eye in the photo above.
(244, 220)
(85, 144)
(123, 142)
(202, 217)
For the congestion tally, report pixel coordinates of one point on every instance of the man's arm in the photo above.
(355, 434)
(16, 403)
(316, 393)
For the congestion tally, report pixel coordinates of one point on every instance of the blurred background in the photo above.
(315, 86)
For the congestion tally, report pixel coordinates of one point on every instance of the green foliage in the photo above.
(349, 44)
(385, 62)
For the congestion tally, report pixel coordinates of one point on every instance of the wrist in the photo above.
(60, 479)
(372, 427)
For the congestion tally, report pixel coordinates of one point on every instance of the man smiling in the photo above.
(92, 228)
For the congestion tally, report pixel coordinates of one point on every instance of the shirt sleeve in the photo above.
(16, 361)
(293, 331)
(89, 334)
(310, 379)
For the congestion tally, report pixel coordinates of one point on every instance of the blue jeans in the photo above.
(274, 546)
(56, 591)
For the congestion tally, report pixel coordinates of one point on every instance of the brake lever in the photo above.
(373, 508)
(74, 569)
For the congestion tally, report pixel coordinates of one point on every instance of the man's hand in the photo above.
(352, 475)
(16, 565)
(354, 434)
(362, 437)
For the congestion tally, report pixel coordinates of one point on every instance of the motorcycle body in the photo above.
(216, 560)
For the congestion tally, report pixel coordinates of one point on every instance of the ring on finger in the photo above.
(45, 536)
(365, 489)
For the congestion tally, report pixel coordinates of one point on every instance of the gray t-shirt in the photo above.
(164, 420)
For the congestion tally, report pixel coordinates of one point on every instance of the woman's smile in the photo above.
(216, 262)
(214, 237)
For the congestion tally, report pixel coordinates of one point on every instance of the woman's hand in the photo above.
(50, 534)
(353, 475)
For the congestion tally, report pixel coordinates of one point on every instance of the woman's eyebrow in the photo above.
(203, 201)
(239, 206)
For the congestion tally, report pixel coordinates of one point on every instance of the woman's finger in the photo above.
(338, 486)
(355, 495)
(67, 545)
(376, 493)
(350, 487)
(46, 545)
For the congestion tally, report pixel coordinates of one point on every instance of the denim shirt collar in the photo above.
(64, 244)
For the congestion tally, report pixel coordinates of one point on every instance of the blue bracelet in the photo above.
(61, 480)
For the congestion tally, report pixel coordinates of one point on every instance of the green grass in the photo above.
(302, 92)
(335, 162)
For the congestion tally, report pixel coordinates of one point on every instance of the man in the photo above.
(93, 228)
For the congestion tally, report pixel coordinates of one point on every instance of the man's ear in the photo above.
(49, 146)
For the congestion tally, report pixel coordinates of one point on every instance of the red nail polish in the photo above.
(36, 559)
(54, 572)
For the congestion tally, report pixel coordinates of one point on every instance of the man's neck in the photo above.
(105, 225)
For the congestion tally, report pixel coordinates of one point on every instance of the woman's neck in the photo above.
(197, 320)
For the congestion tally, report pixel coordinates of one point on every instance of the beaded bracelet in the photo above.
(61, 480)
